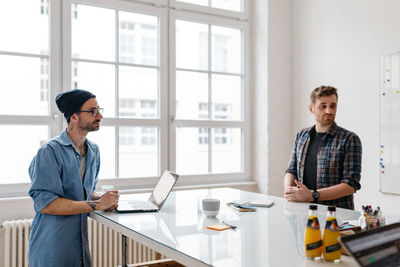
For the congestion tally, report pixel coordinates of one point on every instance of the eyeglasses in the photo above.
(94, 111)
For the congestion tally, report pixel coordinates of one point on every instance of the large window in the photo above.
(171, 81)
(24, 85)
(114, 54)
(210, 94)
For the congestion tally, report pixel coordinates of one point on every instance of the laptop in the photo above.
(375, 247)
(157, 198)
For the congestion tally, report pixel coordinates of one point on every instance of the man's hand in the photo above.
(298, 193)
(108, 201)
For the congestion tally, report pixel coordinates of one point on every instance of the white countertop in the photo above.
(268, 237)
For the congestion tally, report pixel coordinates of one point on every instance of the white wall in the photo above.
(271, 84)
(340, 43)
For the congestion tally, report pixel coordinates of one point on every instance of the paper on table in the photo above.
(218, 227)
(261, 203)
(242, 208)
(254, 203)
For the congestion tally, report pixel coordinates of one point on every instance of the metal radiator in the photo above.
(104, 244)
(16, 236)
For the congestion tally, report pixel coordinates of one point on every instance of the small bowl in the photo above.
(210, 213)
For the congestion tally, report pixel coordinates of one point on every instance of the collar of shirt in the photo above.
(332, 131)
(65, 140)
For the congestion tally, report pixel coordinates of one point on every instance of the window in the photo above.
(210, 92)
(134, 56)
(125, 80)
(127, 107)
(25, 120)
(234, 5)
(44, 81)
(44, 7)
(203, 136)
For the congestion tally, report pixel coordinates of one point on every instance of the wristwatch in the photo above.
(315, 195)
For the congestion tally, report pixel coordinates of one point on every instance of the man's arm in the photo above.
(301, 193)
(63, 206)
(335, 191)
(289, 187)
(96, 195)
(289, 180)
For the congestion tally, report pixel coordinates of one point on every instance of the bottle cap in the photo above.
(331, 208)
(313, 207)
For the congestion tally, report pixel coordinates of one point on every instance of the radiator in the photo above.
(104, 244)
(16, 236)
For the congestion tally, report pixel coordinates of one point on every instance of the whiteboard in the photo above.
(389, 149)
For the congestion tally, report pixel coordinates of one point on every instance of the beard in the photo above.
(328, 119)
(89, 126)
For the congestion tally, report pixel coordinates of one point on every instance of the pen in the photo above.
(230, 225)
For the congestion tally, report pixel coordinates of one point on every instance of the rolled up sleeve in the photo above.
(97, 153)
(292, 168)
(352, 162)
(45, 177)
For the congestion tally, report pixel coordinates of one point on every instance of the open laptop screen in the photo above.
(377, 247)
(163, 188)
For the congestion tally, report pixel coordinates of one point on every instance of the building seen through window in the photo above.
(44, 7)
(116, 53)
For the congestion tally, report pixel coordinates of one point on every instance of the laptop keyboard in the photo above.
(141, 205)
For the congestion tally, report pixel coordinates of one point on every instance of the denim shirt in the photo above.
(61, 240)
(338, 161)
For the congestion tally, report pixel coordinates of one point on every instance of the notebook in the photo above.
(157, 197)
(375, 247)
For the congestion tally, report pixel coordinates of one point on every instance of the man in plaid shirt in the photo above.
(325, 163)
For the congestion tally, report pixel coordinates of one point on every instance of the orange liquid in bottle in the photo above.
(312, 239)
(332, 249)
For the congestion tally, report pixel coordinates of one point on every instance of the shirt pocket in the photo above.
(334, 159)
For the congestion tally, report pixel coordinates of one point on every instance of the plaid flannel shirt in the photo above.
(338, 161)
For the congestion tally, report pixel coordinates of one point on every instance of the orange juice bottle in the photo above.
(312, 238)
(331, 247)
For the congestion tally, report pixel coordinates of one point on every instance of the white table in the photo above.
(268, 237)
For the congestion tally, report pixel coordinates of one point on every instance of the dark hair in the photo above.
(323, 90)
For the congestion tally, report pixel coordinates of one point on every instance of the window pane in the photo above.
(138, 39)
(15, 169)
(105, 138)
(226, 97)
(138, 92)
(98, 79)
(226, 49)
(192, 150)
(93, 33)
(191, 45)
(26, 80)
(191, 95)
(226, 150)
(196, 2)
(24, 26)
(138, 152)
(234, 5)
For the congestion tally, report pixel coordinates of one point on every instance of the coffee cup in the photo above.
(106, 188)
(210, 207)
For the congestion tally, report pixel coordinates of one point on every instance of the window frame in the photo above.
(243, 15)
(243, 124)
(160, 122)
(60, 61)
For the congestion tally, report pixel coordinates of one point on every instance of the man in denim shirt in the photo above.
(325, 163)
(64, 177)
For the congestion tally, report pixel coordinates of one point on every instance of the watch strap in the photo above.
(315, 196)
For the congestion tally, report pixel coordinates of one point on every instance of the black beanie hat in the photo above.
(70, 102)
